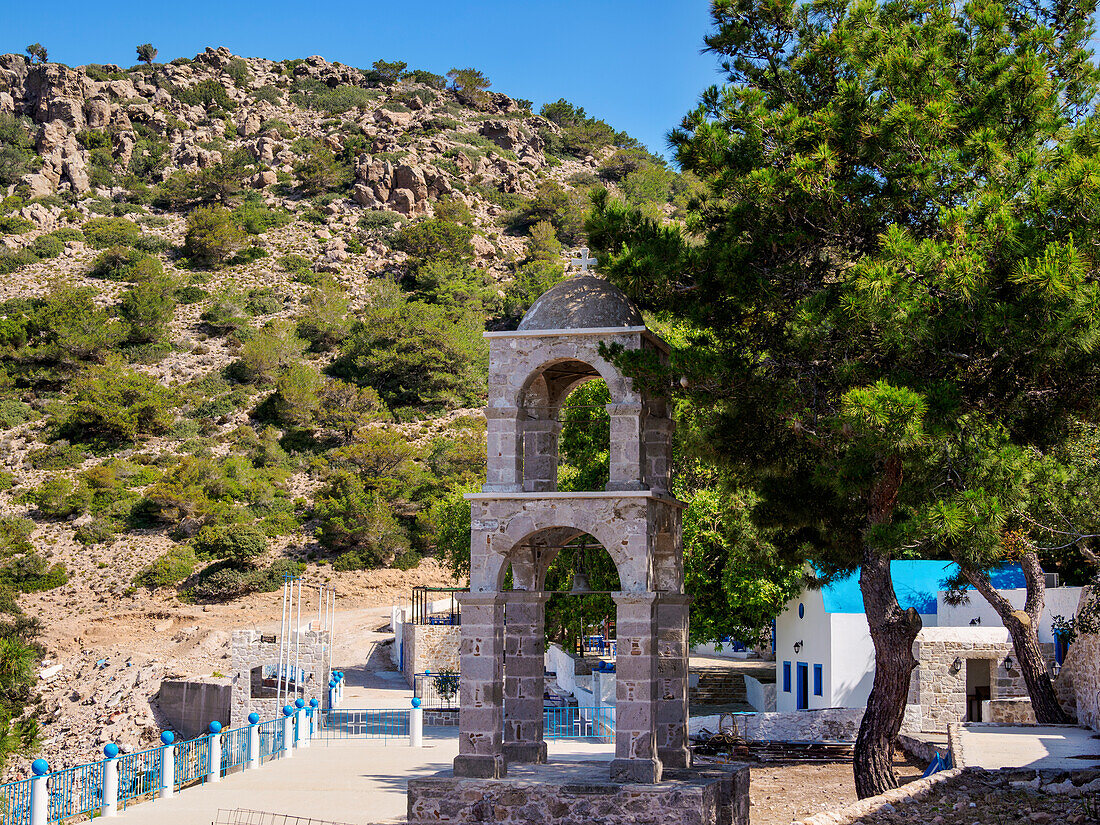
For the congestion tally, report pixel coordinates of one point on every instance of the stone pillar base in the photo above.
(678, 758)
(525, 752)
(476, 766)
(641, 771)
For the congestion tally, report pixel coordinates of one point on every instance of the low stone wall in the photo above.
(1015, 711)
(431, 647)
(827, 725)
(252, 649)
(910, 792)
(192, 706)
(699, 797)
(1078, 683)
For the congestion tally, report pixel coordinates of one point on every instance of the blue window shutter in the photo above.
(786, 677)
(817, 680)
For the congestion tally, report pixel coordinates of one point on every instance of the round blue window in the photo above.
(801, 611)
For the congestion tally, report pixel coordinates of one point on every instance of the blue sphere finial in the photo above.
(331, 684)
(215, 727)
(313, 703)
(167, 737)
(40, 767)
(110, 750)
(416, 701)
(287, 710)
(253, 718)
(299, 702)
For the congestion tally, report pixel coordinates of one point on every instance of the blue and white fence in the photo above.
(102, 788)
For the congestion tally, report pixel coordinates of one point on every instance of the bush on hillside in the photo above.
(241, 544)
(121, 263)
(212, 237)
(111, 405)
(102, 233)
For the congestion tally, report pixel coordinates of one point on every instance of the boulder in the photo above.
(122, 89)
(483, 248)
(412, 179)
(77, 173)
(402, 201)
(67, 110)
(399, 119)
(97, 112)
(38, 185)
(7, 104)
(262, 179)
(507, 134)
(249, 125)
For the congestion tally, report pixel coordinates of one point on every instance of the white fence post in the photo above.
(40, 794)
(167, 765)
(416, 724)
(288, 731)
(314, 718)
(110, 780)
(214, 769)
(340, 686)
(301, 734)
(253, 741)
(332, 693)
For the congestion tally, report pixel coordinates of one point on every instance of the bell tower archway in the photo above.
(532, 370)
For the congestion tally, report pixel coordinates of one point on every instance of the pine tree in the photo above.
(893, 259)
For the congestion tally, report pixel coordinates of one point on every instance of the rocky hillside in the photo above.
(240, 336)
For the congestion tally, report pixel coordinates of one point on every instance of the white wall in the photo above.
(1060, 601)
(813, 630)
(761, 696)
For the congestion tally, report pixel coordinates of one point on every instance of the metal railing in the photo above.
(139, 774)
(384, 723)
(436, 691)
(192, 762)
(15, 803)
(244, 816)
(74, 791)
(271, 740)
(579, 723)
(423, 611)
(234, 749)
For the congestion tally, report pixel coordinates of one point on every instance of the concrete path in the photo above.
(1035, 747)
(349, 781)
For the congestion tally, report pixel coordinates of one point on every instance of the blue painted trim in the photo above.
(786, 677)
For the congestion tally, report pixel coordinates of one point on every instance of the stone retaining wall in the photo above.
(252, 649)
(1016, 711)
(1078, 683)
(827, 725)
(431, 647)
(910, 792)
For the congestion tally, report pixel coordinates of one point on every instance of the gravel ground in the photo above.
(782, 792)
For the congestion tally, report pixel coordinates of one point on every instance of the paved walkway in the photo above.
(347, 781)
(1055, 747)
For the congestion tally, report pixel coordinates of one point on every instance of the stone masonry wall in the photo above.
(1078, 683)
(1016, 711)
(430, 647)
(250, 650)
(940, 689)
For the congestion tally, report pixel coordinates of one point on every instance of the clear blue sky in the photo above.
(635, 64)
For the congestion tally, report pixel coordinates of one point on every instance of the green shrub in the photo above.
(320, 171)
(60, 455)
(238, 71)
(47, 246)
(248, 255)
(255, 217)
(60, 496)
(105, 232)
(14, 225)
(68, 233)
(357, 521)
(334, 101)
(434, 238)
(191, 294)
(408, 560)
(436, 81)
(14, 412)
(16, 149)
(469, 85)
(112, 405)
(267, 94)
(294, 263)
(225, 314)
(7, 480)
(271, 578)
(13, 259)
(120, 263)
(169, 569)
(324, 320)
(30, 573)
(263, 301)
(206, 93)
(212, 237)
(239, 543)
(96, 531)
(218, 583)
(267, 354)
(147, 309)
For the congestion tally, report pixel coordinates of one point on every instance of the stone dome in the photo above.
(582, 302)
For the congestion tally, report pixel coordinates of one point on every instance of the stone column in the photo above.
(540, 455)
(504, 473)
(481, 707)
(524, 683)
(672, 680)
(626, 472)
(635, 689)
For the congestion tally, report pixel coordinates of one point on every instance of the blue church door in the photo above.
(803, 686)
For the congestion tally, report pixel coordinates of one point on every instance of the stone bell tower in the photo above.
(520, 520)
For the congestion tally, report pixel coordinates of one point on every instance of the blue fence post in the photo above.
(253, 740)
(214, 769)
(314, 718)
(109, 806)
(288, 731)
(167, 765)
(301, 735)
(40, 794)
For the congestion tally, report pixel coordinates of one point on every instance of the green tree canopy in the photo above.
(895, 243)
